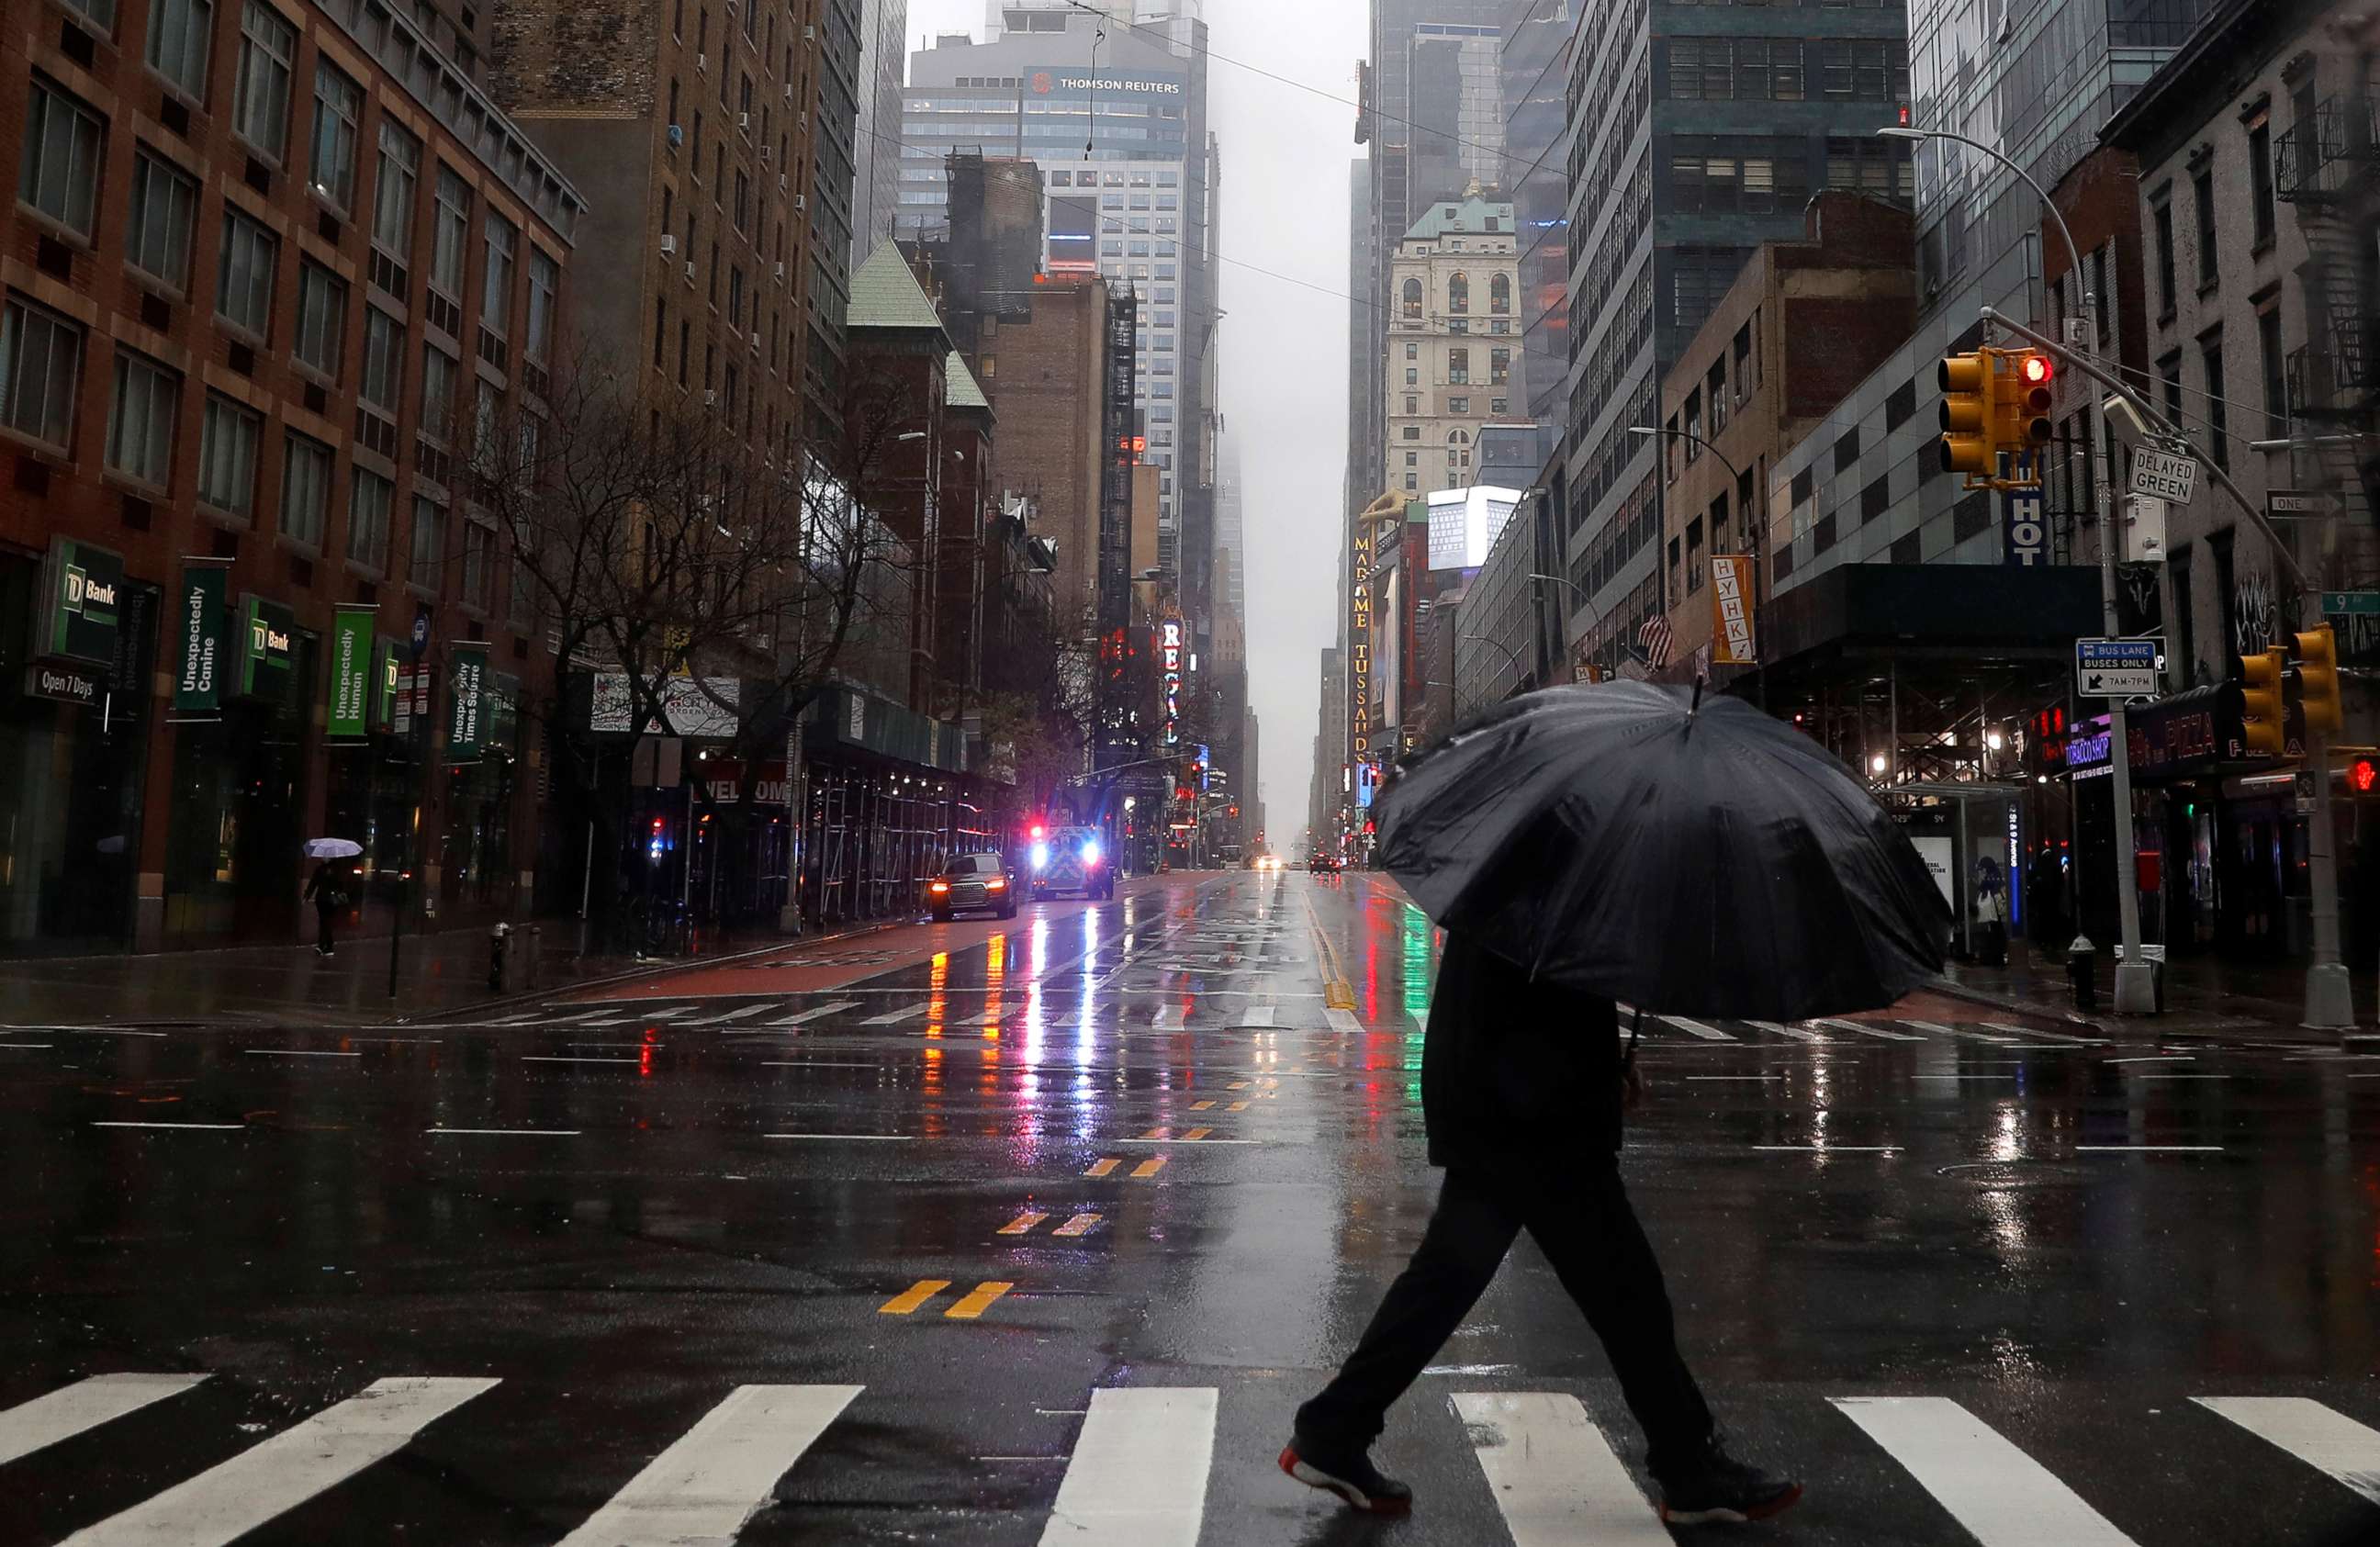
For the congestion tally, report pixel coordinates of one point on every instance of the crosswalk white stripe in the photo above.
(67, 1411)
(2002, 1496)
(893, 1017)
(1138, 1476)
(1862, 1028)
(226, 1502)
(1934, 1028)
(2323, 1440)
(817, 1012)
(1553, 1473)
(1794, 1031)
(1257, 1015)
(1343, 1020)
(724, 1016)
(2039, 1037)
(706, 1485)
(1696, 1028)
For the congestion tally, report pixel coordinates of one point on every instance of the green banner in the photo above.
(351, 674)
(268, 637)
(467, 713)
(82, 588)
(198, 622)
(386, 663)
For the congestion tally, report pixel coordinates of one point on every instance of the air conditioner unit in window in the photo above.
(809, 33)
(756, 340)
(764, 154)
(789, 90)
(676, 136)
(689, 270)
(710, 397)
(742, 120)
(800, 203)
(700, 62)
(781, 269)
(669, 244)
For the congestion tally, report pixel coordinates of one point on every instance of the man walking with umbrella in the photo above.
(327, 889)
(1584, 846)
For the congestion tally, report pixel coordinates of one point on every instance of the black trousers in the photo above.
(1585, 1225)
(326, 927)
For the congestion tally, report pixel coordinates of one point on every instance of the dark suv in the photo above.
(979, 881)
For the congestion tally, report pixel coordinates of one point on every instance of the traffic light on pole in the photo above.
(1969, 414)
(2023, 404)
(2317, 653)
(2263, 708)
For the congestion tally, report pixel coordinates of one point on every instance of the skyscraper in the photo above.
(876, 182)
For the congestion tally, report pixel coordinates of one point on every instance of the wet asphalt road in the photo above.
(982, 1172)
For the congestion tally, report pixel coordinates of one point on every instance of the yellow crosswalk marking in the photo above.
(1199, 1133)
(913, 1297)
(1200, 1105)
(1159, 1133)
(1237, 1106)
(1237, 1085)
(1022, 1223)
(1081, 1225)
(1101, 1167)
(1148, 1168)
(976, 1301)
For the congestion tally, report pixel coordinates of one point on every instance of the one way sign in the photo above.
(2116, 668)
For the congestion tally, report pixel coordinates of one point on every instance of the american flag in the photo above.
(1655, 640)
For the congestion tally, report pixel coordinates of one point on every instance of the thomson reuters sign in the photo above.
(1045, 82)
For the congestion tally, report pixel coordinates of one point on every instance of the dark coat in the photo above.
(1514, 1072)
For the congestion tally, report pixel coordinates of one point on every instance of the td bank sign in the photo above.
(82, 590)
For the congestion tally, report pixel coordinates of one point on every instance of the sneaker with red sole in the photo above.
(1716, 1486)
(1351, 1475)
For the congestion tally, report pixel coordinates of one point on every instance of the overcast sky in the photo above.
(1285, 153)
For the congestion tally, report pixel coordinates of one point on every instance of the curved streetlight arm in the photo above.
(2073, 253)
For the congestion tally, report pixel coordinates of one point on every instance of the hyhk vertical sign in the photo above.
(351, 672)
(467, 714)
(81, 594)
(199, 620)
(1731, 609)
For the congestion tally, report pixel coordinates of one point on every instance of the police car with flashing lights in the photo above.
(1070, 859)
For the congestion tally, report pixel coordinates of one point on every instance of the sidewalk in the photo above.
(2203, 994)
(437, 974)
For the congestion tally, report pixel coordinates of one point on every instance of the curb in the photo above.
(2169, 1023)
(2013, 1006)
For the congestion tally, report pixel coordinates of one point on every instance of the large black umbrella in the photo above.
(1697, 858)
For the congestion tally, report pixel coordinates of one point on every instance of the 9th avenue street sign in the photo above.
(2164, 476)
(2116, 668)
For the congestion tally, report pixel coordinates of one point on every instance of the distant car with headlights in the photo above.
(977, 882)
(1264, 862)
(1322, 862)
(1070, 859)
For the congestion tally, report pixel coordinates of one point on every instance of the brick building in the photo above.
(265, 255)
(1043, 377)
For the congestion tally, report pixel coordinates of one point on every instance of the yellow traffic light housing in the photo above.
(2023, 403)
(2317, 653)
(2263, 706)
(1969, 414)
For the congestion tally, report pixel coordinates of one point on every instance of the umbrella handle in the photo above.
(1635, 1029)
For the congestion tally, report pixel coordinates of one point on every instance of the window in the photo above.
(2259, 181)
(60, 177)
(41, 366)
(449, 230)
(1413, 377)
(400, 165)
(322, 319)
(735, 297)
(496, 293)
(304, 490)
(338, 110)
(227, 442)
(1413, 482)
(1412, 459)
(1500, 405)
(2210, 355)
(1901, 406)
(140, 420)
(157, 237)
(478, 566)
(1458, 367)
(2169, 378)
(1499, 367)
(1458, 293)
(260, 104)
(743, 205)
(2202, 183)
(368, 498)
(179, 34)
(2164, 219)
(383, 358)
(545, 281)
(1458, 405)
(1413, 403)
(437, 391)
(429, 543)
(2276, 392)
(1847, 450)
(244, 280)
(1499, 294)
(1874, 500)
(1412, 432)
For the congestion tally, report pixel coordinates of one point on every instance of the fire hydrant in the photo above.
(2082, 959)
(498, 939)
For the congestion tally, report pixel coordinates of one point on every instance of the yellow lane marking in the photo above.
(1101, 1167)
(1199, 1133)
(1148, 1168)
(1237, 1085)
(1159, 1133)
(1081, 1225)
(1237, 1106)
(976, 1301)
(914, 1296)
(1337, 991)
(1200, 1105)
(1022, 1223)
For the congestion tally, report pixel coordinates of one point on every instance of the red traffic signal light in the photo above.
(2038, 370)
(1037, 830)
(2362, 774)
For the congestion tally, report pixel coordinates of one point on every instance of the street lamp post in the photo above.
(2136, 982)
(1751, 532)
(1519, 673)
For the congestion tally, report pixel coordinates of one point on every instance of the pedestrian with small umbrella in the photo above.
(1582, 847)
(327, 889)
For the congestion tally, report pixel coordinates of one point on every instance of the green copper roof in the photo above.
(884, 294)
(961, 389)
(1467, 216)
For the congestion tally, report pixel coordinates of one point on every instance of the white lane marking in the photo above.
(92, 1031)
(87, 1404)
(1420, 1018)
(875, 1137)
(573, 1058)
(1138, 1476)
(297, 1053)
(27, 1047)
(1202, 1144)
(521, 1133)
(817, 1012)
(1728, 1078)
(2326, 1441)
(735, 1014)
(1257, 1015)
(226, 1502)
(1796, 1034)
(2001, 1495)
(1694, 1028)
(1934, 1028)
(1832, 1149)
(2156, 1058)
(202, 1128)
(1553, 1473)
(1344, 1021)
(897, 1016)
(2045, 1036)
(1861, 1029)
(2148, 1148)
(707, 1484)
(1166, 1019)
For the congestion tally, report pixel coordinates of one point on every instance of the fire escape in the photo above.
(2329, 171)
